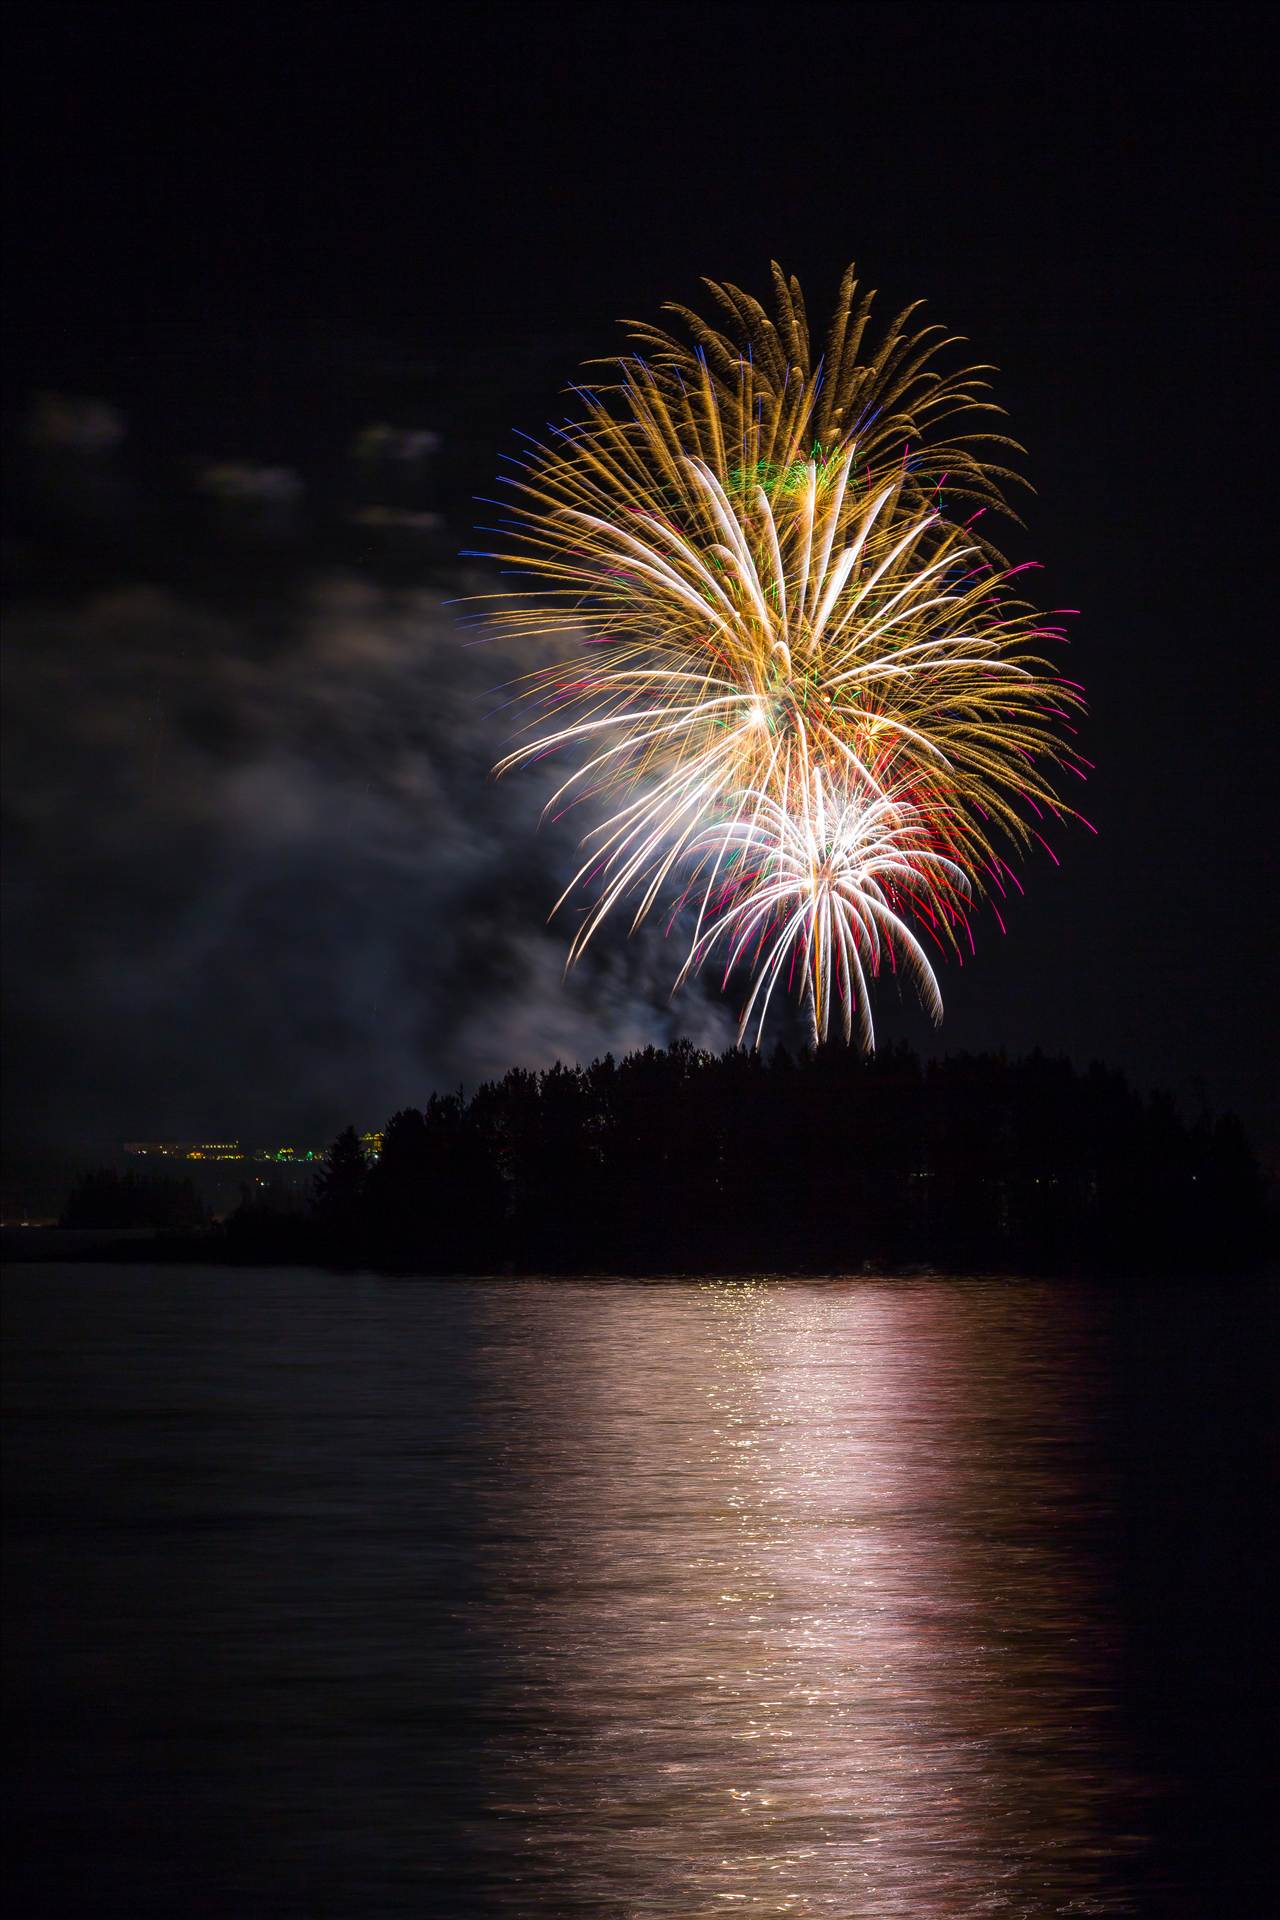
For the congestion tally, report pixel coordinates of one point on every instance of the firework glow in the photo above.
(809, 691)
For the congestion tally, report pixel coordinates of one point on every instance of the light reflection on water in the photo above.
(808, 1599)
(355, 1597)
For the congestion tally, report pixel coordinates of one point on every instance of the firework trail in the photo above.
(810, 691)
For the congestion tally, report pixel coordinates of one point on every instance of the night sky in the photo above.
(257, 879)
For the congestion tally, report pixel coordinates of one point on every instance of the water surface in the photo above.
(351, 1596)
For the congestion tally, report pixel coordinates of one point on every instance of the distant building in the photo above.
(223, 1150)
(371, 1146)
(186, 1149)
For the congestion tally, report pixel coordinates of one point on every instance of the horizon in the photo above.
(200, 1155)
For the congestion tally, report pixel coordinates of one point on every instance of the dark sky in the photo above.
(256, 878)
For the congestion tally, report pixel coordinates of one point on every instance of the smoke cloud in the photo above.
(260, 880)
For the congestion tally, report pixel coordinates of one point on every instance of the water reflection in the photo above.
(800, 1585)
(332, 1597)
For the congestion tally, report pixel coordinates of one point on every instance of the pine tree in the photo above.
(340, 1185)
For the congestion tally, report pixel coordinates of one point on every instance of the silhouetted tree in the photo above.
(338, 1203)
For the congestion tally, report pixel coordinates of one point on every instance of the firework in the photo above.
(818, 885)
(806, 686)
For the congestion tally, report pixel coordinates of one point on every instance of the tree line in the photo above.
(679, 1160)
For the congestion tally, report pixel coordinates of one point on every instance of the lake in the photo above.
(339, 1595)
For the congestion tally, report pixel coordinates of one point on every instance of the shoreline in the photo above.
(126, 1246)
